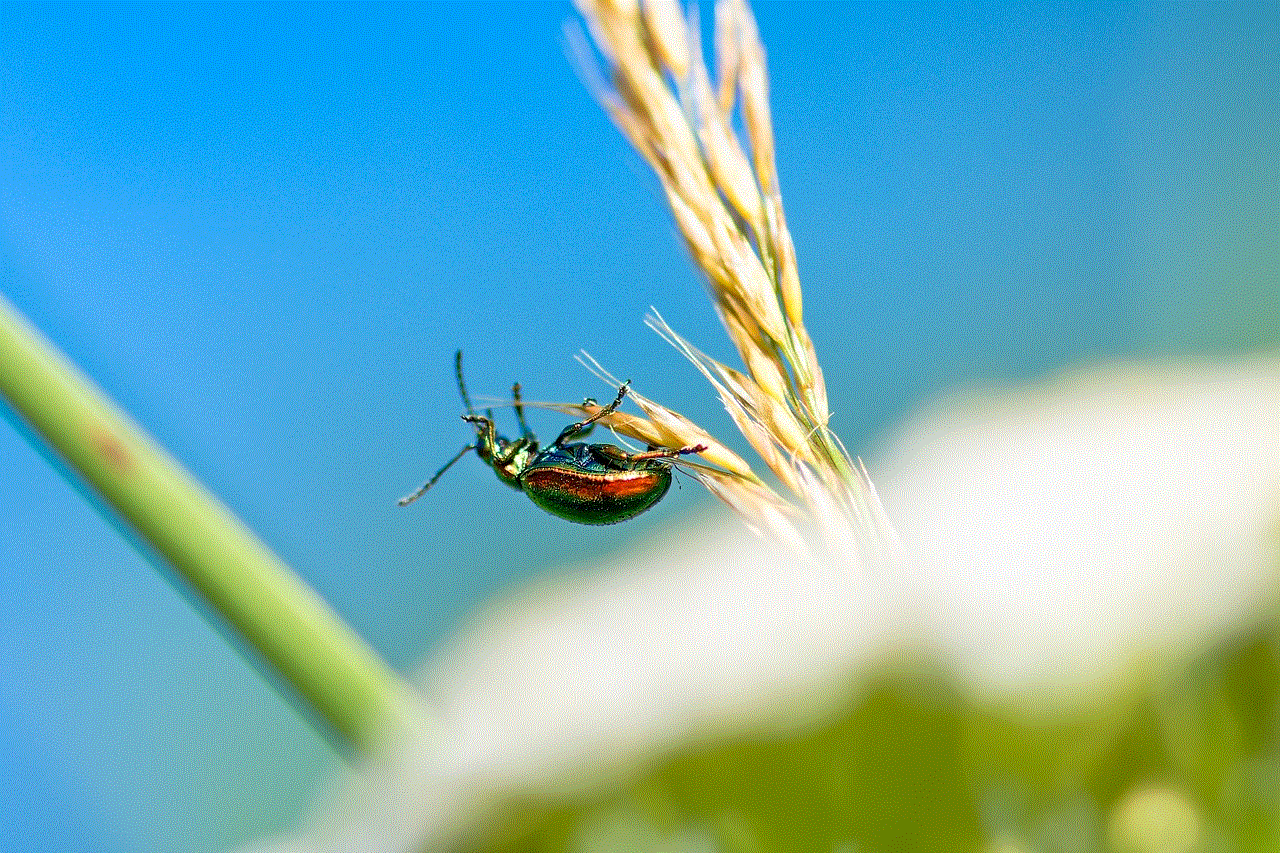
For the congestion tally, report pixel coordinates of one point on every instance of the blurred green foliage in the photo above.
(1185, 758)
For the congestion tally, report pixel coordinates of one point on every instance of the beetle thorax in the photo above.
(508, 459)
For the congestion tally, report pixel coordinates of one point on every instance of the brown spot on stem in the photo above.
(110, 448)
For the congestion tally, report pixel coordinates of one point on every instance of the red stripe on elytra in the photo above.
(609, 486)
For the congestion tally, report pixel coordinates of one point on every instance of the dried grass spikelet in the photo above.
(724, 195)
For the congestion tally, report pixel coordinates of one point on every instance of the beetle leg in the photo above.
(519, 407)
(581, 426)
(408, 499)
(667, 453)
(589, 428)
(488, 434)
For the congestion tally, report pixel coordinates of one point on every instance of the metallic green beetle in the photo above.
(585, 483)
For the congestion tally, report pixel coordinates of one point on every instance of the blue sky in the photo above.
(264, 230)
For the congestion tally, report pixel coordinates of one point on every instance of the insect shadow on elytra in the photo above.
(585, 483)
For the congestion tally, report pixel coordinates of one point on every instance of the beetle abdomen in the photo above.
(595, 496)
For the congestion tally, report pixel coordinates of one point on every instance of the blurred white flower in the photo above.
(1052, 537)
(1055, 532)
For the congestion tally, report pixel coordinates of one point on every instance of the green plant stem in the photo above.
(291, 627)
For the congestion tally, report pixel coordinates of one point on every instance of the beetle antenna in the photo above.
(462, 386)
(405, 501)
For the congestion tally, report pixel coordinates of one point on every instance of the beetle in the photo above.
(579, 482)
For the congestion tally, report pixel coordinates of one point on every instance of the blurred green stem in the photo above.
(279, 615)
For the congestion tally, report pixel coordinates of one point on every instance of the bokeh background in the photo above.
(264, 230)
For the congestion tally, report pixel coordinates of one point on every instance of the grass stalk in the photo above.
(310, 647)
(645, 67)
